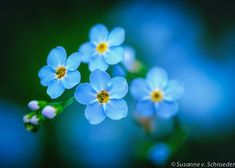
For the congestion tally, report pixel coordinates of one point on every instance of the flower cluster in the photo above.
(103, 95)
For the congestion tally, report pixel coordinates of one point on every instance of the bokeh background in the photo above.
(193, 40)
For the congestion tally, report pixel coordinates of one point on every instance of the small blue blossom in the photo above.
(104, 48)
(103, 97)
(61, 72)
(159, 154)
(157, 94)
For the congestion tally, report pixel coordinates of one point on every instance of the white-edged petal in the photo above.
(73, 61)
(55, 89)
(173, 91)
(116, 109)
(87, 51)
(118, 88)
(100, 80)
(98, 33)
(94, 113)
(85, 94)
(139, 89)
(157, 78)
(46, 75)
(116, 36)
(167, 109)
(98, 62)
(56, 57)
(71, 79)
(114, 55)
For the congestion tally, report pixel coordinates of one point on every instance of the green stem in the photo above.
(68, 102)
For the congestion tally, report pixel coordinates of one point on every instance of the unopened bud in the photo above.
(49, 112)
(26, 118)
(34, 120)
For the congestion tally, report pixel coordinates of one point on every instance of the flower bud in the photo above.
(34, 105)
(32, 128)
(34, 120)
(49, 112)
(26, 118)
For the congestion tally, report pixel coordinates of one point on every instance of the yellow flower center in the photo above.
(103, 96)
(102, 47)
(156, 96)
(60, 72)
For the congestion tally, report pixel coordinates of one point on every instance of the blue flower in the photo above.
(60, 73)
(159, 154)
(157, 94)
(103, 97)
(104, 48)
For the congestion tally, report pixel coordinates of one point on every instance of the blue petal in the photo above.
(55, 89)
(85, 94)
(116, 109)
(56, 57)
(140, 89)
(87, 51)
(119, 88)
(118, 71)
(46, 74)
(116, 36)
(71, 79)
(73, 61)
(157, 78)
(114, 55)
(95, 113)
(167, 109)
(173, 91)
(145, 108)
(100, 80)
(98, 33)
(98, 63)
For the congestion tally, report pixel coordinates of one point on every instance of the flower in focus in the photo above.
(103, 97)
(157, 94)
(60, 73)
(104, 48)
(159, 154)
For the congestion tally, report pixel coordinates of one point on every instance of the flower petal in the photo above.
(71, 79)
(98, 33)
(116, 109)
(145, 108)
(99, 80)
(85, 94)
(118, 70)
(55, 89)
(119, 88)
(114, 55)
(167, 109)
(116, 36)
(98, 63)
(56, 57)
(157, 78)
(95, 113)
(73, 61)
(140, 89)
(173, 91)
(46, 75)
(87, 51)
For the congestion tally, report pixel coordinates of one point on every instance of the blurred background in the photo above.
(193, 40)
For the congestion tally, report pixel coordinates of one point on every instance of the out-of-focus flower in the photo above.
(34, 120)
(104, 48)
(60, 73)
(103, 97)
(157, 94)
(159, 154)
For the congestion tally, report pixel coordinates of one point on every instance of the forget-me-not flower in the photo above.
(61, 72)
(103, 97)
(157, 94)
(104, 48)
(159, 154)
